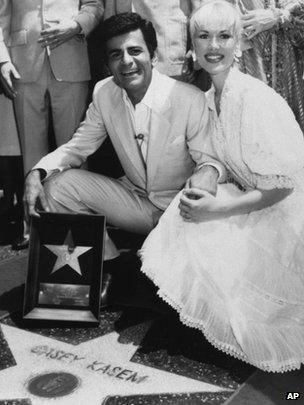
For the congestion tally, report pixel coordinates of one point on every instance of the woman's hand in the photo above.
(198, 205)
(256, 21)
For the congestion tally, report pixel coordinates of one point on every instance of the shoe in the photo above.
(143, 295)
(132, 288)
(105, 291)
(21, 243)
(114, 281)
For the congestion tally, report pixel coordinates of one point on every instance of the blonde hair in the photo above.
(219, 12)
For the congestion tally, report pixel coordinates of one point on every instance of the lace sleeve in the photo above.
(272, 144)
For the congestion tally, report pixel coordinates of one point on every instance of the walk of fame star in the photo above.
(67, 254)
(37, 355)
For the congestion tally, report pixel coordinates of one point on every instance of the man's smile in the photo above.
(130, 73)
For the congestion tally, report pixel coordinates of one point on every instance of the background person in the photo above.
(11, 171)
(44, 66)
(273, 47)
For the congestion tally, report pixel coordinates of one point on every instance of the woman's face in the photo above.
(215, 46)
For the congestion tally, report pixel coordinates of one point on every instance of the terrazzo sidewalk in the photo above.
(134, 357)
(120, 362)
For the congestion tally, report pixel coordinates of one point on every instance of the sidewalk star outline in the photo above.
(36, 354)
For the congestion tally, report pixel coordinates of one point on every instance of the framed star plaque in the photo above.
(64, 268)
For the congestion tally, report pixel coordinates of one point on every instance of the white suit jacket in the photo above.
(179, 116)
(22, 22)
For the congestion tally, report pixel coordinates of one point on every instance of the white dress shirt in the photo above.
(141, 117)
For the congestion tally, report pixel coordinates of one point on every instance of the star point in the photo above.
(103, 365)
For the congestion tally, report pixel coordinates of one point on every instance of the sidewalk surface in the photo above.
(133, 357)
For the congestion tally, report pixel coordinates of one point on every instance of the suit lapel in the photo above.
(160, 125)
(158, 139)
(159, 131)
(122, 126)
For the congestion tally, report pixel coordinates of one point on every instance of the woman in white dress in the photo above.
(232, 265)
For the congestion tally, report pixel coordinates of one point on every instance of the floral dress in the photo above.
(276, 56)
(240, 280)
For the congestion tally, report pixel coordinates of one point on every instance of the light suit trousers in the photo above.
(67, 102)
(80, 191)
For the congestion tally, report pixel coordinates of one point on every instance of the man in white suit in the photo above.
(170, 20)
(156, 125)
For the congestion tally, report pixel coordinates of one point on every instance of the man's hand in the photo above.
(33, 191)
(58, 32)
(204, 179)
(256, 21)
(197, 205)
(8, 71)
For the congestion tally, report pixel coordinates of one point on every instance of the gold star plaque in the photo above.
(67, 254)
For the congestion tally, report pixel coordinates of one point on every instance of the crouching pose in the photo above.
(155, 124)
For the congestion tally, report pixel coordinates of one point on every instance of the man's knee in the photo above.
(61, 189)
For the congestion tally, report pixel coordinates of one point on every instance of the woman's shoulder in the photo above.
(257, 100)
(246, 85)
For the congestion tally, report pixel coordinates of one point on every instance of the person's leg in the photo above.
(11, 180)
(19, 183)
(68, 106)
(7, 185)
(81, 191)
(31, 106)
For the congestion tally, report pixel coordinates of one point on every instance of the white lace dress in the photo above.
(240, 280)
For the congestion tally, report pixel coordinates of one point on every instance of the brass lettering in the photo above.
(135, 378)
(94, 364)
(39, 349)
(55, 354)
(69, 356)
(123, 373)
(114, 371)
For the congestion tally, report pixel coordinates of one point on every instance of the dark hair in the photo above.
(123, 23)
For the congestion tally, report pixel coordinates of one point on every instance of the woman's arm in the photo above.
(198, 205)
(253, 200)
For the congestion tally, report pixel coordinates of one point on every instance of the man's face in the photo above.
(130, 63)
